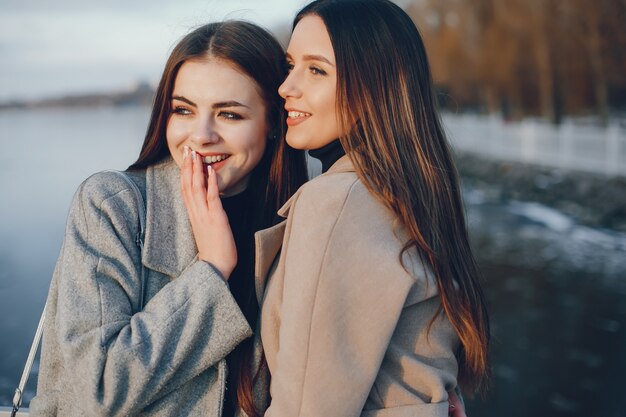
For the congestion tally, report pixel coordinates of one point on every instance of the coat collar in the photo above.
(269, 241)
(169, 243)
(343, 164)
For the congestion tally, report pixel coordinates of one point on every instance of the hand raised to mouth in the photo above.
(209, 221)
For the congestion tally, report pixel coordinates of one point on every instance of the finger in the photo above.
(456, 408)
(186, 175)
(213, 194)
(198, 187)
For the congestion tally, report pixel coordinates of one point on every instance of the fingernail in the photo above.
(193, 155)
(452, 406)
(209, 169)
(185, 152)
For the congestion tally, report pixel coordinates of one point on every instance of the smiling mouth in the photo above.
(297, 115)
(210, 160)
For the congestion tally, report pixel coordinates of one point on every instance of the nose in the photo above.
(289, 87)
(205, 133)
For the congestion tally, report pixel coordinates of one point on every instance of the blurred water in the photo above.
(44, 156)
(557, 294)
(557, 289)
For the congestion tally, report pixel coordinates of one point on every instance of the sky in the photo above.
(52, 48)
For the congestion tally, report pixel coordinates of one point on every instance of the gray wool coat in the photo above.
(102, 354)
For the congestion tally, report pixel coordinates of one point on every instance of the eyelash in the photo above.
(317, 71)
(182, 111)
(227, 115)
(313, 69)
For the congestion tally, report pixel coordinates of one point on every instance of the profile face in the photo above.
(310, 89)
(217, 111)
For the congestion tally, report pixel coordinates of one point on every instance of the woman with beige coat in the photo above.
(374, 307)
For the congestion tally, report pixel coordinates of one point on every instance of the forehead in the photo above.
(215, 80)
(310, 37)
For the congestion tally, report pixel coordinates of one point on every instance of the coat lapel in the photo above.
(267, 247)
(268, 243)
(169, 243)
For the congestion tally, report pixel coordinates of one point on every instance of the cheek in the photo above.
(332, 109)
(326, 106)
(174, 133)
(333, 116)
(328, 99)
(251, 142)
(256, 147)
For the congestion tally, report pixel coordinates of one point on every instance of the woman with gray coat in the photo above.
(164, 330)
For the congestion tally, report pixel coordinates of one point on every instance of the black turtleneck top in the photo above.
(328, 154)
(236, 208)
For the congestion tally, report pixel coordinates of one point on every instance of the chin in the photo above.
(297, 144)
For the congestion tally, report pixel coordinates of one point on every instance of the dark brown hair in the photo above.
(278, 175)
(400, 151)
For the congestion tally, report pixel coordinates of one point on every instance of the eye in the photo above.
(289, 66)
(181, 110)
(229, 115)
(316, 70)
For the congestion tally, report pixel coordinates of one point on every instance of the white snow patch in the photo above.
(551, 218)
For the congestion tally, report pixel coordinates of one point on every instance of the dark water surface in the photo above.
(557, 290)
(557, 294)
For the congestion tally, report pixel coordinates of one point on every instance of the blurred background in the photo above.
(533, 95)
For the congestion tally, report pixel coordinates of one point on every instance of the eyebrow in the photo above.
(220, 105)
(321, 58)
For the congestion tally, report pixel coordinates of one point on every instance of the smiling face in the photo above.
(310, 89)
(218, 112)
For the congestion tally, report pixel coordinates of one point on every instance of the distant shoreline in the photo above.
(143, 94)
(594, 200)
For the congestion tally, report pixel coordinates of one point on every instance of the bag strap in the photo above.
(139, 239)
(17, 397)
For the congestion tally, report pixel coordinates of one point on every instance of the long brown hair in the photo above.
(400, 151)
(278, 175)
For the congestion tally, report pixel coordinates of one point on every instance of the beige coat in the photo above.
(343, 323)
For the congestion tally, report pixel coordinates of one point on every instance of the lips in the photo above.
(295, 117)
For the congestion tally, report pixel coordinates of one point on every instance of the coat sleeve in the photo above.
(340, 305)
(121, 360)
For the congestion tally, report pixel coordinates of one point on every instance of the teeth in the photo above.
(214, 158)
(294, 114)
